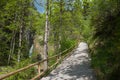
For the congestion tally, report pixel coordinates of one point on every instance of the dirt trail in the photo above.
(76, 67)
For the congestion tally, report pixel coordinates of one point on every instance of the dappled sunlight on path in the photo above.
(76, 67)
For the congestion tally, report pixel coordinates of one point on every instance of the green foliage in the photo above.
(105, 49)
(96, 22)
(66, 43)
(86, 31)
(65, 21)
(15, 14)
(25, 75)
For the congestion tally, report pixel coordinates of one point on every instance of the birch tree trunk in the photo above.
(20, 43)
(12, 46)
(46, 37)
(20, 32)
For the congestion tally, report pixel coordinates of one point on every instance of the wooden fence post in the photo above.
(39, 68)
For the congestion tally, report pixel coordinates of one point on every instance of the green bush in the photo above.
(67, 43)
(25, 75)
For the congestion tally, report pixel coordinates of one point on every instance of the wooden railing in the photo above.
(38, 64)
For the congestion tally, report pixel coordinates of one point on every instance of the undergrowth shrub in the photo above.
(24, 75)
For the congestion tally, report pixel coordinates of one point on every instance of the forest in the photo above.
(28, 35)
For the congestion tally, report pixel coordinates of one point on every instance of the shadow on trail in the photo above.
(81, 71)
(75, 67)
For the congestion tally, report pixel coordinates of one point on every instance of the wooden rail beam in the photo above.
(21, 69)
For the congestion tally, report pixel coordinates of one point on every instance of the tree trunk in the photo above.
(20, 43)
(46, 37)
(12, 46)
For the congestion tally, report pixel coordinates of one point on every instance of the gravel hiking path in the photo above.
(75, 67)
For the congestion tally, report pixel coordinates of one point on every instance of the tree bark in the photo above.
(20, 43)
(46, 37)
(12, 46)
